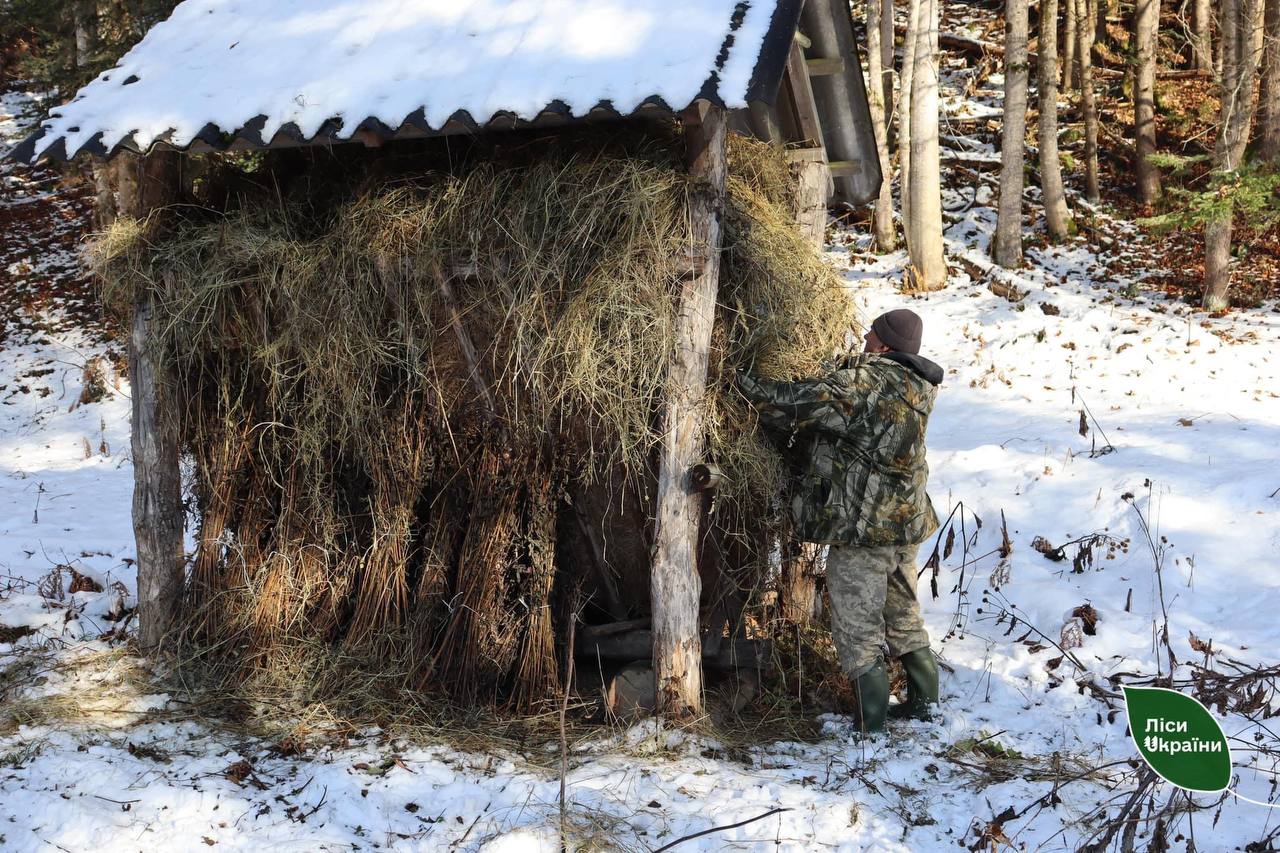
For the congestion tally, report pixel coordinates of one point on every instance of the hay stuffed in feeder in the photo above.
(393, 389)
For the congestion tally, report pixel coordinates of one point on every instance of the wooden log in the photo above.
(798, 597)
(674, 583)
(145, 184)
(813, 180)
(823, 65)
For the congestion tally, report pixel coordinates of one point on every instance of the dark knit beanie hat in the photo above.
(899, 330)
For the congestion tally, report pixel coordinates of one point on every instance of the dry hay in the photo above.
(373, 510)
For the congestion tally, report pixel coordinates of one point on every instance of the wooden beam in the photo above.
(674, 583)
(813, 181)
(797, 82)
(844, 168)
(823, 66)
(145, 184)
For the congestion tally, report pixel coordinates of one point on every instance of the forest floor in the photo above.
(1099, 419)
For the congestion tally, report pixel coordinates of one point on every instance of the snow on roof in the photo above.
(219, 69)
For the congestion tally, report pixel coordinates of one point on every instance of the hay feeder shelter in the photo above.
(303, 96)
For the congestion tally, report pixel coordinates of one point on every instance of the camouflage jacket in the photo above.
(855, 438)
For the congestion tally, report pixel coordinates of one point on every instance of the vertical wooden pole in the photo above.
(798, 595)
(674, 583)
(813, 176)
(146, 183)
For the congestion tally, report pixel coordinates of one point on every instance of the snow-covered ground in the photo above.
(1176, 484)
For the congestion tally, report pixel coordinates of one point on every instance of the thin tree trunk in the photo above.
(1239, 74)
(1269, 91)
(924, 230)
(882, 220)
(1088, 105)
(1146, 25)
(1070, 65)
(1056, 215)
(84, 15)
(1101, 10)
(905, 79)
(675, 586)
(887, 51)
(1259, 33)
(1202, 38)
(1008, 240)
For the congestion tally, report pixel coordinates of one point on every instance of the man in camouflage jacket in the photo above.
(855, 438)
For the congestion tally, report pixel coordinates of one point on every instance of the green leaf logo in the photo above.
(1178, 738)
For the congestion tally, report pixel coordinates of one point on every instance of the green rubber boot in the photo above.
(872, 688)
(921, 668)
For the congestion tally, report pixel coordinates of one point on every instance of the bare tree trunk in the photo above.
(1239, 73)
(1013, 137)
(1070, 65)
(1102, 9)
(886, 57)
(905, 82)
(144, 184)
(1258, 32)
(674, 584)
(1056, 215)
(1202, 40)
(1088, 105)
(882, 228)
(1146, 25)
(924, 229)
(84, 19)
(1269, 92)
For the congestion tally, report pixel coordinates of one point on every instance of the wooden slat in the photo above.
(844, 168)
(802, 96)
(805, 155)
(826, 65)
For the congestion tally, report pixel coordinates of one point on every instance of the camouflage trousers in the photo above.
(873, 602)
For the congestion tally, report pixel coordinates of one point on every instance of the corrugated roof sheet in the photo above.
(247, 73)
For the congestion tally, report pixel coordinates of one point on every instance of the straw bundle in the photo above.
(392, 389)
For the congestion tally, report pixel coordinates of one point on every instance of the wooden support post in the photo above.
(797, 80)
(674, 583)
(813, 181)
(144, 184)
(798, 597)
